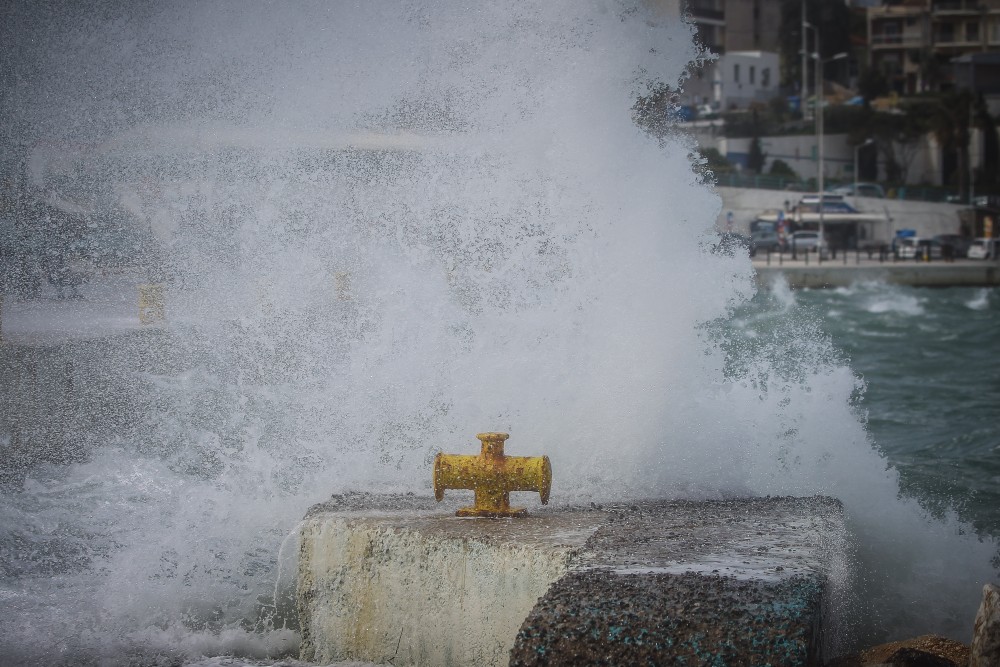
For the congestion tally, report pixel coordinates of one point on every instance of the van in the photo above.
(983, 248)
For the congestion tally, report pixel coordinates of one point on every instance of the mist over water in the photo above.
(384, 229)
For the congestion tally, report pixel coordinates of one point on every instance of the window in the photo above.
(946, 33)
(736, 73)
(972, 31)
(752, 74)
(765, 77)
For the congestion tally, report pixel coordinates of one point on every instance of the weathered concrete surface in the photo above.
(741, 582)
(404, 581)
(400, 580)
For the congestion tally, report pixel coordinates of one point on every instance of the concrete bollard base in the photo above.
(400, 580)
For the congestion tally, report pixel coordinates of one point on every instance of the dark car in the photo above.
(959, 244)
(763, 236)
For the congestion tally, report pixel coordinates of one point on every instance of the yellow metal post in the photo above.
(151, 308)
(492, 475)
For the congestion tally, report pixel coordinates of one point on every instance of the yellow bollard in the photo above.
(492, 475)
(151, 308)
(342, 285)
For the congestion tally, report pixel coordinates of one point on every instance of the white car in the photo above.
(863, 190)
(808, 242)
(984, 249)
(911, 247)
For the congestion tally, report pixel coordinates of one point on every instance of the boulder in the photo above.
(986, 630)
(923, 651)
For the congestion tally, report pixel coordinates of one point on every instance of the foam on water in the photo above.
(385, 229)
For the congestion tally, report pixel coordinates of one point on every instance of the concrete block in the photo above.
(405, 581)
(739, 582)
(400, 580)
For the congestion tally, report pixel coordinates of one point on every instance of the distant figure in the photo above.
(948, 252)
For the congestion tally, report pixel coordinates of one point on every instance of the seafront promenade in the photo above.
(807, 271)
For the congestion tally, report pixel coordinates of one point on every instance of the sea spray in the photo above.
(382, 230)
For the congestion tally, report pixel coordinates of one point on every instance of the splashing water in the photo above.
(384, 229)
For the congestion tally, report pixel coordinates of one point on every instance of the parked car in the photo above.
(807, 241)
(763, 236)
(984, 249)
(863, 190)
(911, 247)
(958, 243)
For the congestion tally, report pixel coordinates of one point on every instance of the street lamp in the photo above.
(819, 128)
(805, 70)
(867, 142)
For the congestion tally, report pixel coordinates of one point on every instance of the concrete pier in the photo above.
(400, 580)
(800, 273)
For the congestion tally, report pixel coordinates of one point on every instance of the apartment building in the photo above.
(745, 36)
(736, 25)
(914, 42)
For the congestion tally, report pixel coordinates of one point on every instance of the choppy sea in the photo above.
(930, 362)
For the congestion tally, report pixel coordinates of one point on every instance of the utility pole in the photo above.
(805, 69)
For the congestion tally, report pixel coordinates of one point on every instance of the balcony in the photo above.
(956, 7)
(895, 40)
(705, 11)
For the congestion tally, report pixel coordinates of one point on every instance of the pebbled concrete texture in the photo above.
(606, 618)
(400, 580)
(740, 582)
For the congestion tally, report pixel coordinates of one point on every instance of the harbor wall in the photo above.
(927, 218)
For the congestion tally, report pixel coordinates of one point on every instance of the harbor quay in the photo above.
(807, 270)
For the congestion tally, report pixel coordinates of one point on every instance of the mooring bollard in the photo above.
(151, 308)
(492, 475)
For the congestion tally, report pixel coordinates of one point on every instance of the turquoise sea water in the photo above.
(930, 363)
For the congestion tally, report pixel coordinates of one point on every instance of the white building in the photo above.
(734, 80)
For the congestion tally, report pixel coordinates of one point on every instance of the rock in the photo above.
(923, 651)
(986, 631)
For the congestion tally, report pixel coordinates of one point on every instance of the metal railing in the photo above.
(768, 182)
(879, 254)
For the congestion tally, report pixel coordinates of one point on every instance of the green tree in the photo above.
(950, 123)
(990, 170)
(871, 84)
(756, 157)
(897, 135)
(714, 161)
(781, 169)
(836, 22)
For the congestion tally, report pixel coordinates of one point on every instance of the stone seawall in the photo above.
(837, 273)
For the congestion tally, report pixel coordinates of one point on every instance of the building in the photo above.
(736, 80)
(736, 25)
(913, 42)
